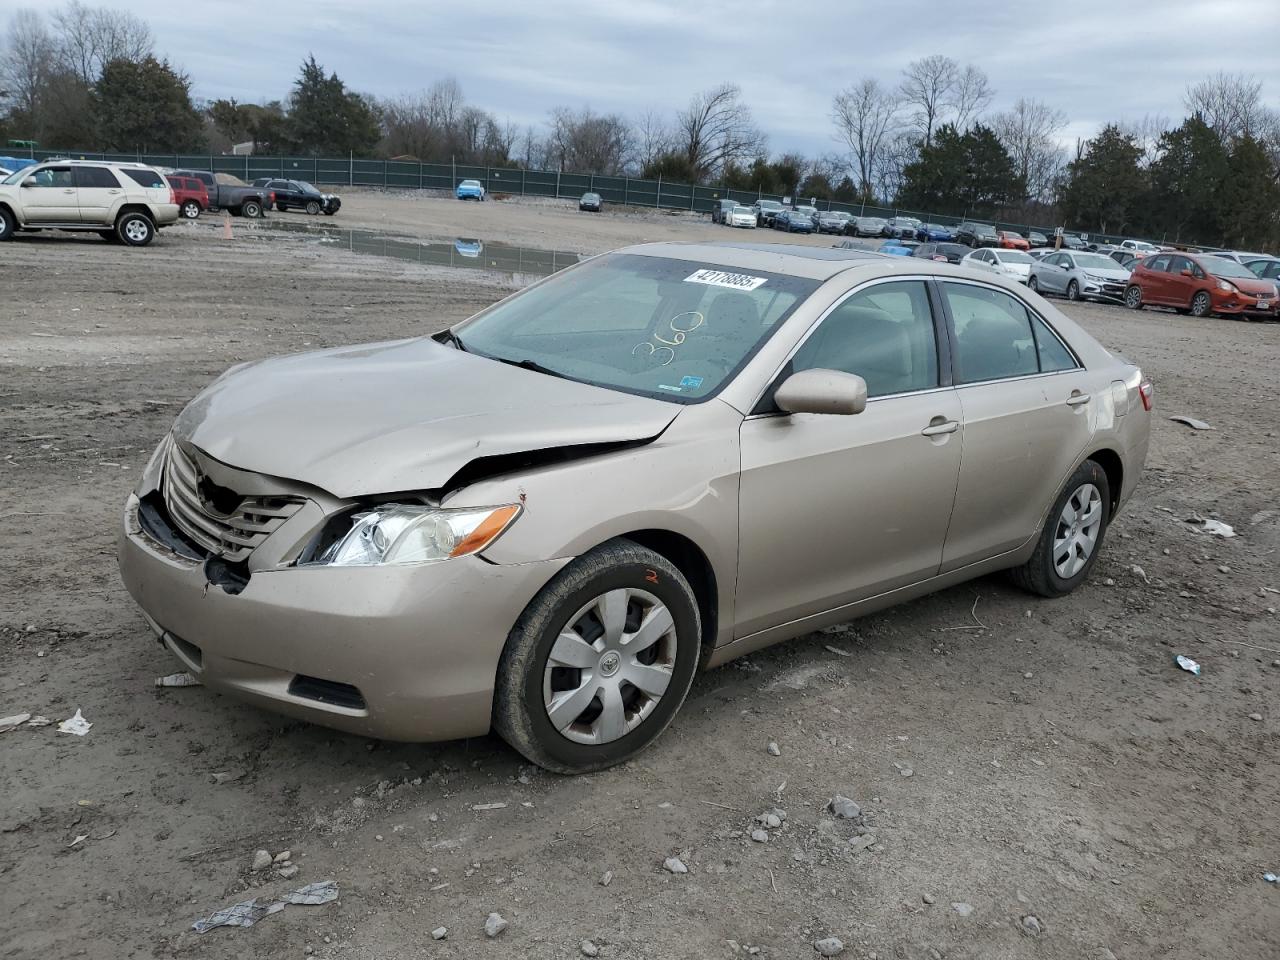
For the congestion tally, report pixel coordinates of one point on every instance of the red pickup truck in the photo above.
(190, 194)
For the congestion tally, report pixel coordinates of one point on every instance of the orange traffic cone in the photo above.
(226, 226)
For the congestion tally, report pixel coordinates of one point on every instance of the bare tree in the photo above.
(1029, 132)
(589, 142)
(717, 128)
(901, 149)
(91, 37)
(1231, 103)
(1146, 133)
(927, 87)
(969, 96)
(865, 115)
(652, 138)
(26, 62)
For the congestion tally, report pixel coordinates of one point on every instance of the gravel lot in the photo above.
(1054, 763)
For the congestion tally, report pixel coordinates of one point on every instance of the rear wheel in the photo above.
(1033, 284)
(1133, 297)
(313, 208)
(1072, 536)
(135, 230)
(600, 661)
(1201, 305)
(251, 209)
(1073, 290)
(7, 224)
(190, 209)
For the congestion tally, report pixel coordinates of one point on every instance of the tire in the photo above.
(1201, 305)
(190, 209)
(1073, 290)
(526, 679)
(313, 208)
(1032, 284)
(281, 208)
(135, 230)
(1065, 554)
(1133, 297)
(8, 224)
(251, 209)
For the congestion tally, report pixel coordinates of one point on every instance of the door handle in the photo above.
(68, 191)
(1076, 399)
(937, 429)
(113, 192)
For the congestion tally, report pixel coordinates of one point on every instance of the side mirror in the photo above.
(822, 391)
(30, 182)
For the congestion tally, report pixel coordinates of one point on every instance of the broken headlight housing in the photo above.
(400, 533)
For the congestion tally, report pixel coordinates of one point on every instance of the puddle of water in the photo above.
(465, 253)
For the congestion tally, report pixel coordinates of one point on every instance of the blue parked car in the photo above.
(470, 190)
(935, 233)
(793, 221)
(897, 248)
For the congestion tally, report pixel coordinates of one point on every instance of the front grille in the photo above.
(220, 520)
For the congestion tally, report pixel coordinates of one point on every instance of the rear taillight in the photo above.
(173, 197)
(1147, 392)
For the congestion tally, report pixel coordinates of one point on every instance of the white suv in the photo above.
(128, 202)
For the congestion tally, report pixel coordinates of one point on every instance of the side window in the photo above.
(96, 177)
(1258, 267)
(1053, 355)
(884, 334)
(993, 334)
(53, 177)
(1195, 270)
(1178, 264)
(1158, 264)
(144, 177)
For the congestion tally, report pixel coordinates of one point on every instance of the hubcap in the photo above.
(136, 230)
(1077, 532)
(610, 666)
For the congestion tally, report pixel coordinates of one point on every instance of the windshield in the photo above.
(1221, 267)
(1094, 261)
(673, 329)
(307, 187)
(744, 211)
(1012, 256)
(15, 176)
(984, 230)
(770, 205)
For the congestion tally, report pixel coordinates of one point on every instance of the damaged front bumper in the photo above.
(397, 652)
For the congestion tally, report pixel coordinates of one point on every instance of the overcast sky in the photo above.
(1097, 61)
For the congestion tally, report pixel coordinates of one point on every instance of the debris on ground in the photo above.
(1271, 878)
(488, 806)
(760, 836)
(837, 650)
(844, 808)
(774, 750)
(1187, 664)
(829, 947)
(1215, 528)
(1191, 422)
(77, 725)
(1255, 717)
(1139, 572)
(494, 924)
(964, 909)
(261, 860)
(674, 865)
(225, 776)
(607, 878)
(248, 912)
(1031, 926)
(178, 680)
(439, 933)
(17, 720)
(588, 949)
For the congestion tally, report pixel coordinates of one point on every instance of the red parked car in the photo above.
(190, 194)
(1013, 241)
(1201, 285)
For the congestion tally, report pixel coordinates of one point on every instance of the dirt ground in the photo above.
(1052, 763)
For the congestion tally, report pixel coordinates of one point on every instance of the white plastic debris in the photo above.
(1191, 422)
(1271, 878)
(1215, 528)
(77, 725)
(488, 806)
(178, 680)
(248, 912)
(1189, 665)
(17, 720)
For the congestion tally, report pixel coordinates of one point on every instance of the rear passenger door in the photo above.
(1027, 417)
(98, 192)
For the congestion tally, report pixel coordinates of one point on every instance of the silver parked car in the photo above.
(1079, 276)
(547, 519)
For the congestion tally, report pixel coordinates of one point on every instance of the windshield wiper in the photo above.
(455, 339)
(533, 365)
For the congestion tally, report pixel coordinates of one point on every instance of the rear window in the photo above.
(144, 178)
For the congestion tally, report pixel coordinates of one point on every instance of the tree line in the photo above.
(87, 77)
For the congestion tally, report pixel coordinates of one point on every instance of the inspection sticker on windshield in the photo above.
(718, 278)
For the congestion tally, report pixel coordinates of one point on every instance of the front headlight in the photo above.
(410, 533)
(1092, 279)
(1229, 287)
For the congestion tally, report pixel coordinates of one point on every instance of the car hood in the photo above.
(1116, 273)
(400, 416)
(1256, 288)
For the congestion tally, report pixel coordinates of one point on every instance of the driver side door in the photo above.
(836, 509)
(49, 196)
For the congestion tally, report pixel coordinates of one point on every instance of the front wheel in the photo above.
(251, 209)
(8, 224)
(1133, 297)
(1200, 305)
(1073, 290)
(135, 230)
(1072, 536)
(599, 662)
(313, 208)
(1032, 284)
(190, 209)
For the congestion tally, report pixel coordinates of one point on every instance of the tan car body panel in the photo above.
(803, 520)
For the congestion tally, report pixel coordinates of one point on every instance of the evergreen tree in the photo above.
(1186, 183)
(1104, 187)
(145, 105)
(325, 118)
(960, 173)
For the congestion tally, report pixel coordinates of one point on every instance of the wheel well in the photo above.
(693, 563)
(134, 208)
(1113, 467)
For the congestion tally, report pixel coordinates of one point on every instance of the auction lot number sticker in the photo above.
(718, 278)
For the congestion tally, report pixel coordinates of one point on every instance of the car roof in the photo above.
(817, 263)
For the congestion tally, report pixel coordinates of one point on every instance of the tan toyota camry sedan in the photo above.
(547, 519)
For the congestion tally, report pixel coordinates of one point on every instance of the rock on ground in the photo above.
(829, 947)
